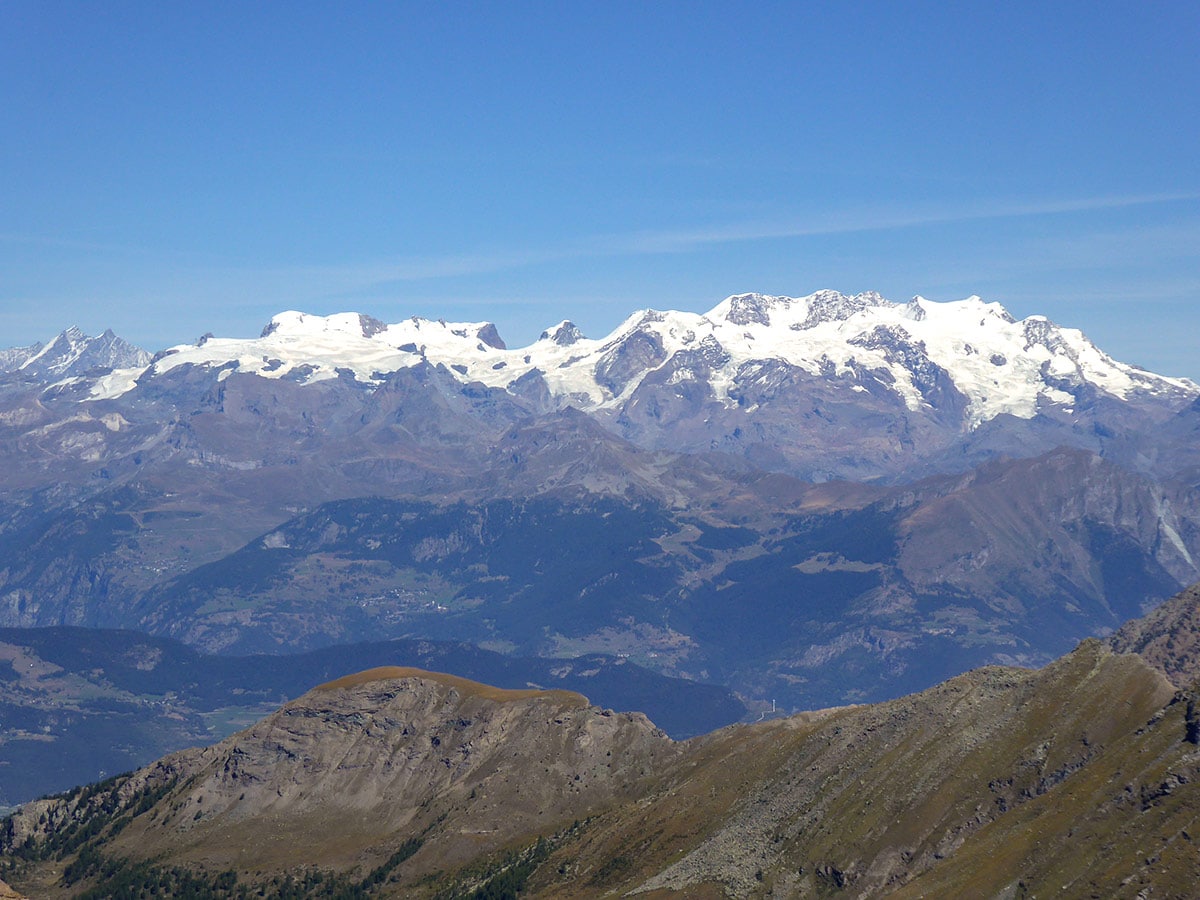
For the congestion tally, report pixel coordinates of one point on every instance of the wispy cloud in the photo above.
(234, 285)
(649, 242)
(882, 220)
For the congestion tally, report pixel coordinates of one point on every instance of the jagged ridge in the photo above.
(73, 354)
(918, 351)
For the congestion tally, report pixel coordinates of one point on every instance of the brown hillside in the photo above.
(464, 685)
(865, 799)
(338, 777)
(1168, 638)
(1076, 780)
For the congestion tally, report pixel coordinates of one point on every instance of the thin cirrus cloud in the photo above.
(650, 242)
(682, 241)
(239, 284)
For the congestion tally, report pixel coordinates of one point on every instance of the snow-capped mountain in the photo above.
(823, 386)
(73, 354)
(923, 352)
(12, 358)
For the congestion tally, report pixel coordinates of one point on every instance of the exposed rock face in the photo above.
(488, 334)
(386, 752)
(564, 334)
(1168, 638)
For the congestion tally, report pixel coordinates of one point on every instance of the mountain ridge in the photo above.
(77, 704)
(827, 386)
(812, 332)
(1079, 779)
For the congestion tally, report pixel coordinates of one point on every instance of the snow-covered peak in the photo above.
(918, 350)
(293, 324)
(12, 358)
(63, 349)
(74, 354)
(307, 348)
(998, 364)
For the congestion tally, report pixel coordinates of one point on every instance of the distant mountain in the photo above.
(819, 387)
(822, 386)
(73, 354)
(1081, 779)
(13, 357)
(967, 354)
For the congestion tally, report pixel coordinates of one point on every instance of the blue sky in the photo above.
(171, 169)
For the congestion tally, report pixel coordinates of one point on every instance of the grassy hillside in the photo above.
(1076, 780)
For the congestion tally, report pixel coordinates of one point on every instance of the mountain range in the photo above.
(814, 501)
(823, 386)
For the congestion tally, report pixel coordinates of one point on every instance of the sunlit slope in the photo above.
(1074, 780)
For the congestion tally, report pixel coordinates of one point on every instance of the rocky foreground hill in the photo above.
(1081, 779)
(78, 704)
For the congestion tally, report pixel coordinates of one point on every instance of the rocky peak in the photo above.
(914, 310)
(491, 336)
(830, 306)
(745, 309)
(370, 326)
(1040, 331)
(565, 333)
(72, 353)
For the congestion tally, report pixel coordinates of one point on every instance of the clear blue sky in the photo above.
(176, 168)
